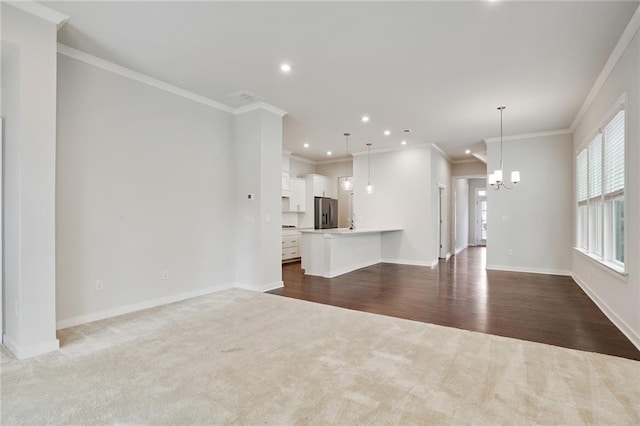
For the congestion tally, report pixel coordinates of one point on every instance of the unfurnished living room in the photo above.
(320, 212)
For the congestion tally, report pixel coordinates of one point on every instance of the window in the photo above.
(600, 181)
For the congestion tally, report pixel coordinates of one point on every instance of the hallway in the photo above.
(461, 293)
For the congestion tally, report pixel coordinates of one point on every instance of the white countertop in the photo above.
(347, 231)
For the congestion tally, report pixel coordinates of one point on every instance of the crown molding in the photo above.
(465, 161)
(444, 154)
(41, 11)
(304, 160)
(337, 160)
(630, 31)
(142, 78)
(400, 148)
(260, 105)
(480, 156)
(529, 135)
(162, 85)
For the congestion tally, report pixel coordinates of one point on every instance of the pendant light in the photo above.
(495, 178)
(369, 186)
(347, 185)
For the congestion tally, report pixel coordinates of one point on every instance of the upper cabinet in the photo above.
(286, 185)
(298, 200)
(322, 186)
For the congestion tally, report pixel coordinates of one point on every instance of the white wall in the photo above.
(29, 109)
(299, 168)
(618, 297)
(461, 210)
(401, 198)
(535, 219)
(441, 177)
(145, 184)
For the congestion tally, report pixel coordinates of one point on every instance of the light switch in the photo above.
(505, 219)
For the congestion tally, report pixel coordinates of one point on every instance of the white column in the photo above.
(29, 57)
(258, 175)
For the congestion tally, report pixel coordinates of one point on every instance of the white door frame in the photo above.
(478, 213)
(442, 244)
(1, 229)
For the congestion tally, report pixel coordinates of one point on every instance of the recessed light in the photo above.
(403, 143)
(387, 132)
(467, 151)
(285, 67)
(329, 152)
(306, 145)
(365, 118)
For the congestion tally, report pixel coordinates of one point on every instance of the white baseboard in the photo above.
(23, 352)
(458, 250)
(409, 262)
(121, 310)
(529, 270)
(609, 313)
(260, 287)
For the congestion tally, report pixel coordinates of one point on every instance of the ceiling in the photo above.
(437, 68)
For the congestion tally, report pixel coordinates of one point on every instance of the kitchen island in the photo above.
(332, 252)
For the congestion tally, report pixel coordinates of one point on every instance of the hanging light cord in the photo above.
(501, 160)
(501, 183)
(346, 164)
(369, 155)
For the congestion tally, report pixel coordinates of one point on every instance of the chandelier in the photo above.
(495, 179)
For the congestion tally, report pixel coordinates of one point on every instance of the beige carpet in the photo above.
(238, 357)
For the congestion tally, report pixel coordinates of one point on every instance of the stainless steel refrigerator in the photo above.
(326, 213)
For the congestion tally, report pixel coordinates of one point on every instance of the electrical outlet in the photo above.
(165, 275)
(99, 285)
(509, 252)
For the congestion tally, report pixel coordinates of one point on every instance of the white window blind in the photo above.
(614, 157)
(581, 178)
(595, 167)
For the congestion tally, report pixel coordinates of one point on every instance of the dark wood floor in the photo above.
(461, 293)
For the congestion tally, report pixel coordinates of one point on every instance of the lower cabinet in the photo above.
(290, 245)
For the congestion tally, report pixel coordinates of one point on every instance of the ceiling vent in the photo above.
(244, 97)
(405, 131)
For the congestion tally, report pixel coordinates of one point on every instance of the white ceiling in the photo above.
(438, 68)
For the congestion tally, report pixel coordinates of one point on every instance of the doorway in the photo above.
(481, 217)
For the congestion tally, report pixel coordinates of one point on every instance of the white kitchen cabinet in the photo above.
(323, 186)
(290, 244)
(298, 199)
(296, 202)
(286, 184)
